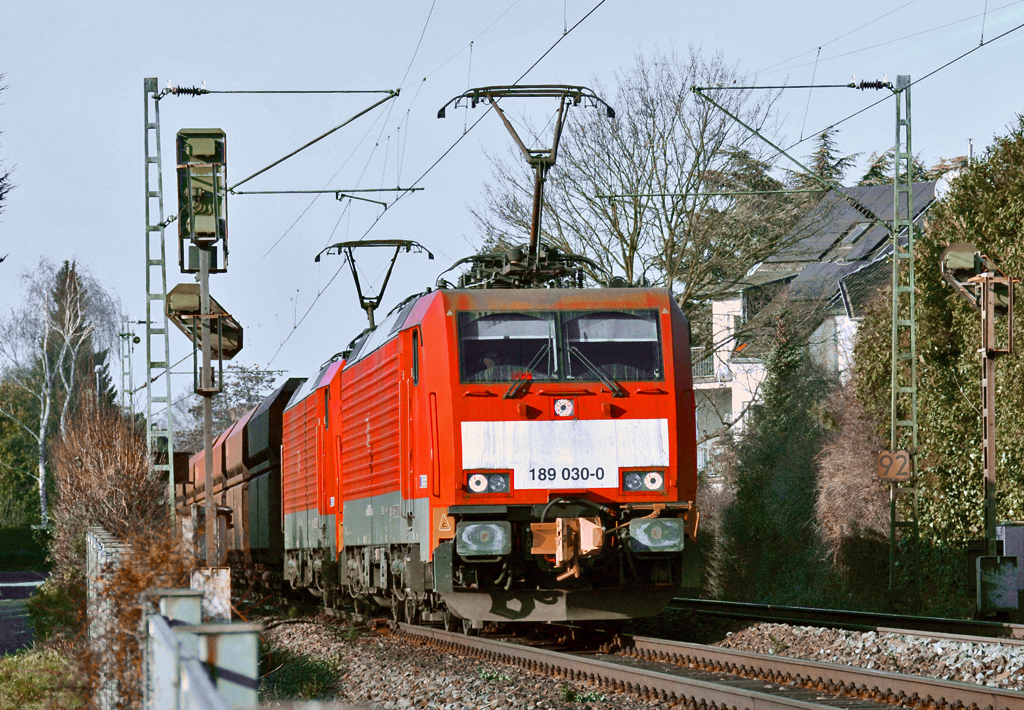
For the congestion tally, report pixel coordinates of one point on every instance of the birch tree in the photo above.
(43, 343)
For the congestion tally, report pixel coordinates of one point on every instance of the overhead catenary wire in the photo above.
(469, 79)
(418, 43)
(836, 39)
(328, 191)
(157, 377)
(912, 83)
(195, 91)
(729, 193)
(363, 138)
(809, 92)
(391, 94)
(309, 206)
(699, 91)
(319, 138)
(430, 168)
(465, 47)
(893, 41)
(852, 85)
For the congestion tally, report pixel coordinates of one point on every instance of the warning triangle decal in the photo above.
(450, 313)
(444, 525)
(664, 310)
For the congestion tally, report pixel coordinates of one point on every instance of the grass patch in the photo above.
(571, 695)
(292, 676)
(40, 679)
(490, 674)
(778, 645)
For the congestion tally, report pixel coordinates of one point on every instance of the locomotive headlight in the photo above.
(643, 481)
(654, 481)
(483, 539)
(656, 535)
(632, 481)
(487, 482)
(478, 483)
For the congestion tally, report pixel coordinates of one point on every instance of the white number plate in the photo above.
(565, 477)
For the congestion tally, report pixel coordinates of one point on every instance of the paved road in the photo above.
(15, 588)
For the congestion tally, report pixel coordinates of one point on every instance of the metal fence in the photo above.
(188, 665)
(703, 364)
(194, 665)
(103, 556)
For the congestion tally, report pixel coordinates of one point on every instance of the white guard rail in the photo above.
(188, 665)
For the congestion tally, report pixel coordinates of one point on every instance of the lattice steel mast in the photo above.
(159, 430)
(903, 427)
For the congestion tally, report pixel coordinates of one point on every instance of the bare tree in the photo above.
(245, 387)
(64, 315)
(670, 155)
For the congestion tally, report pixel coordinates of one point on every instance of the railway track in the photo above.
(956, 629)
(710, 678)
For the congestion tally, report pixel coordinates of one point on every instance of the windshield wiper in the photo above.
(525, 377)
(616, 389)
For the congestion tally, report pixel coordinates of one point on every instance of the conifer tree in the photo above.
(767, 548)
(825, 163)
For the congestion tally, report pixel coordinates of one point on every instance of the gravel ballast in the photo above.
(389, 673)
(992, 664)
(386, 672)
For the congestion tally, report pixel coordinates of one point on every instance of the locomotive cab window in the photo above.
(584, 346)
(501, 347)
(621, 345)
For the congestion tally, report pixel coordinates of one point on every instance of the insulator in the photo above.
(188, 90)
(876, 84)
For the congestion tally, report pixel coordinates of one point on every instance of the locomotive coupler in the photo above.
(569, 540)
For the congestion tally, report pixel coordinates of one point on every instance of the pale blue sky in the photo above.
(72, 120)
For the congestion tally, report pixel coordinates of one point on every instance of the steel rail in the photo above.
(652, 685)
(954, 629)
(842, 680)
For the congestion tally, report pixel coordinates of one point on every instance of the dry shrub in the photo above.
(851, 503)
(103, 480)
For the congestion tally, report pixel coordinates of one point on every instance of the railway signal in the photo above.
(202, 198)
(990, 292)
(202, 234)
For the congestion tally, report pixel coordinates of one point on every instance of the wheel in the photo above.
(412, 610)
(451, 622)
(360, 607)
(467, 628)
(398, 610)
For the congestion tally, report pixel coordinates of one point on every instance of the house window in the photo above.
(848, 241)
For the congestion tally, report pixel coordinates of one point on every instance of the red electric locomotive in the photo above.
(493, 454)
(519, 448)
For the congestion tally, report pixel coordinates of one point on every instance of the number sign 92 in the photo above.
(893, 465)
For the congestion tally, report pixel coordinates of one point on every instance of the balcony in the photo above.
(703, 362)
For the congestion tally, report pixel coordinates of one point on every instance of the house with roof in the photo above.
(837, 259)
